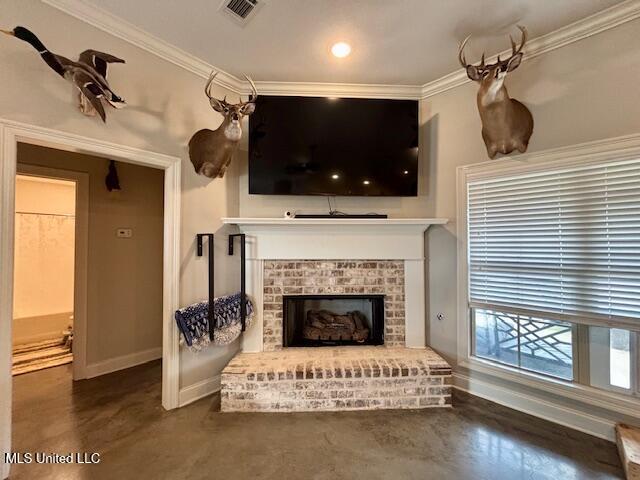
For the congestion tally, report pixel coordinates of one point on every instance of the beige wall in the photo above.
(166, 105)
(579, 93)
(582, 92)
(124, 287)
(44, 258)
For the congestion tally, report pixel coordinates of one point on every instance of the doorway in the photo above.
(50, 269)
(117, 322)
(11, 133)
(44, 264)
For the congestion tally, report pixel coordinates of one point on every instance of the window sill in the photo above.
(618, 403)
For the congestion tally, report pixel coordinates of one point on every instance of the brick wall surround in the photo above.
(308, 277)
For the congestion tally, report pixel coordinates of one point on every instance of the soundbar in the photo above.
(339, 216)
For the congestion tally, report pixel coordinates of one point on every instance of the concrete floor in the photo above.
(119, 415)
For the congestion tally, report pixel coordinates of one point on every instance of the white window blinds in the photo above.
(563, 242)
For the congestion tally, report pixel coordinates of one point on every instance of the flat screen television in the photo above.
(333, 146)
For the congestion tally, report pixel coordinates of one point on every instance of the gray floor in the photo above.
(120, 416)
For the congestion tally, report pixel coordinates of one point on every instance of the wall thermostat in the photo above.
(124, 233)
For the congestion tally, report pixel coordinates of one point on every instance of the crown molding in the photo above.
(116, 26)
(103, 20)
(584, 28)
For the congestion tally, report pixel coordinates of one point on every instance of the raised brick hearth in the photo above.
(336, 378)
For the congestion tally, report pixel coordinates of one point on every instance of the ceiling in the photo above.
(395, 42)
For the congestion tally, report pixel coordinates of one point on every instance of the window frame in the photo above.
(635, 367)
(592, 153)
(634, 387)
(574, 345)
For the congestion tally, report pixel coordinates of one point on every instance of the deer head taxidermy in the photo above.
(211, 151)
(506, 123)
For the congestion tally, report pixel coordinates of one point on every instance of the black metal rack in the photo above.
(243, 292)
(243, 275)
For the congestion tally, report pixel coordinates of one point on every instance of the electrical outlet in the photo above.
(124, 233)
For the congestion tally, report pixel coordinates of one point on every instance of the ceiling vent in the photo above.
(241, 11)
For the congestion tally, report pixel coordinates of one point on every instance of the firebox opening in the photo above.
(326, 320)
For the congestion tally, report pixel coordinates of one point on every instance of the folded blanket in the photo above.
(193, 321)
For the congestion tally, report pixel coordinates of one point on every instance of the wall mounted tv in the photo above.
(333, 146)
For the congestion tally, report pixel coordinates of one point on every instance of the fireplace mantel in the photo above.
(339, 238)
(318, 239)
(288, 222)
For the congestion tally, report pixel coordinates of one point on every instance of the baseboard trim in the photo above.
(198, 390)
(122, 362)
(547, 410)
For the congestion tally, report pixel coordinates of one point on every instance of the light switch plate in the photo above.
(124, 233)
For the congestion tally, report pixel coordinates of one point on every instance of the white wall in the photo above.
(43, 258)
(581, 92)
(44, 239)
(166, 105)
(584, 91)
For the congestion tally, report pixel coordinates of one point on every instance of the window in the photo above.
(552, 263)
(535, 344)
(613, 359)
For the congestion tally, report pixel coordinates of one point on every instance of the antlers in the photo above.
(515, 50)
(254, 91)
(207, 87)
(252, 97)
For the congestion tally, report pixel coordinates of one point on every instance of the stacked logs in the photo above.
(326, 325)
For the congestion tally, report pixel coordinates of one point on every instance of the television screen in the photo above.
(333, 146)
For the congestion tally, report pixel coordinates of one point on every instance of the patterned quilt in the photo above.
(193, 321)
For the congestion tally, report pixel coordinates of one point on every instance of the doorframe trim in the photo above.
(11, 133)
(80, 256)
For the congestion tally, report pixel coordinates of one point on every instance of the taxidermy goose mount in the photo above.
(88, 74)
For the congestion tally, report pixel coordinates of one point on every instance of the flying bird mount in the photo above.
(211, 151)
(506, 123)
(88, 75)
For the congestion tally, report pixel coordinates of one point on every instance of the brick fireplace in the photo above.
(333, 278)
(353, 337)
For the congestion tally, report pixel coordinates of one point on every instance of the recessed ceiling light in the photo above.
(406, 172)
(366, 182)
(341, 49)
(335, 176)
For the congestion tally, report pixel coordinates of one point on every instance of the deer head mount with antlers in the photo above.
(506, 123)
(211, 151)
